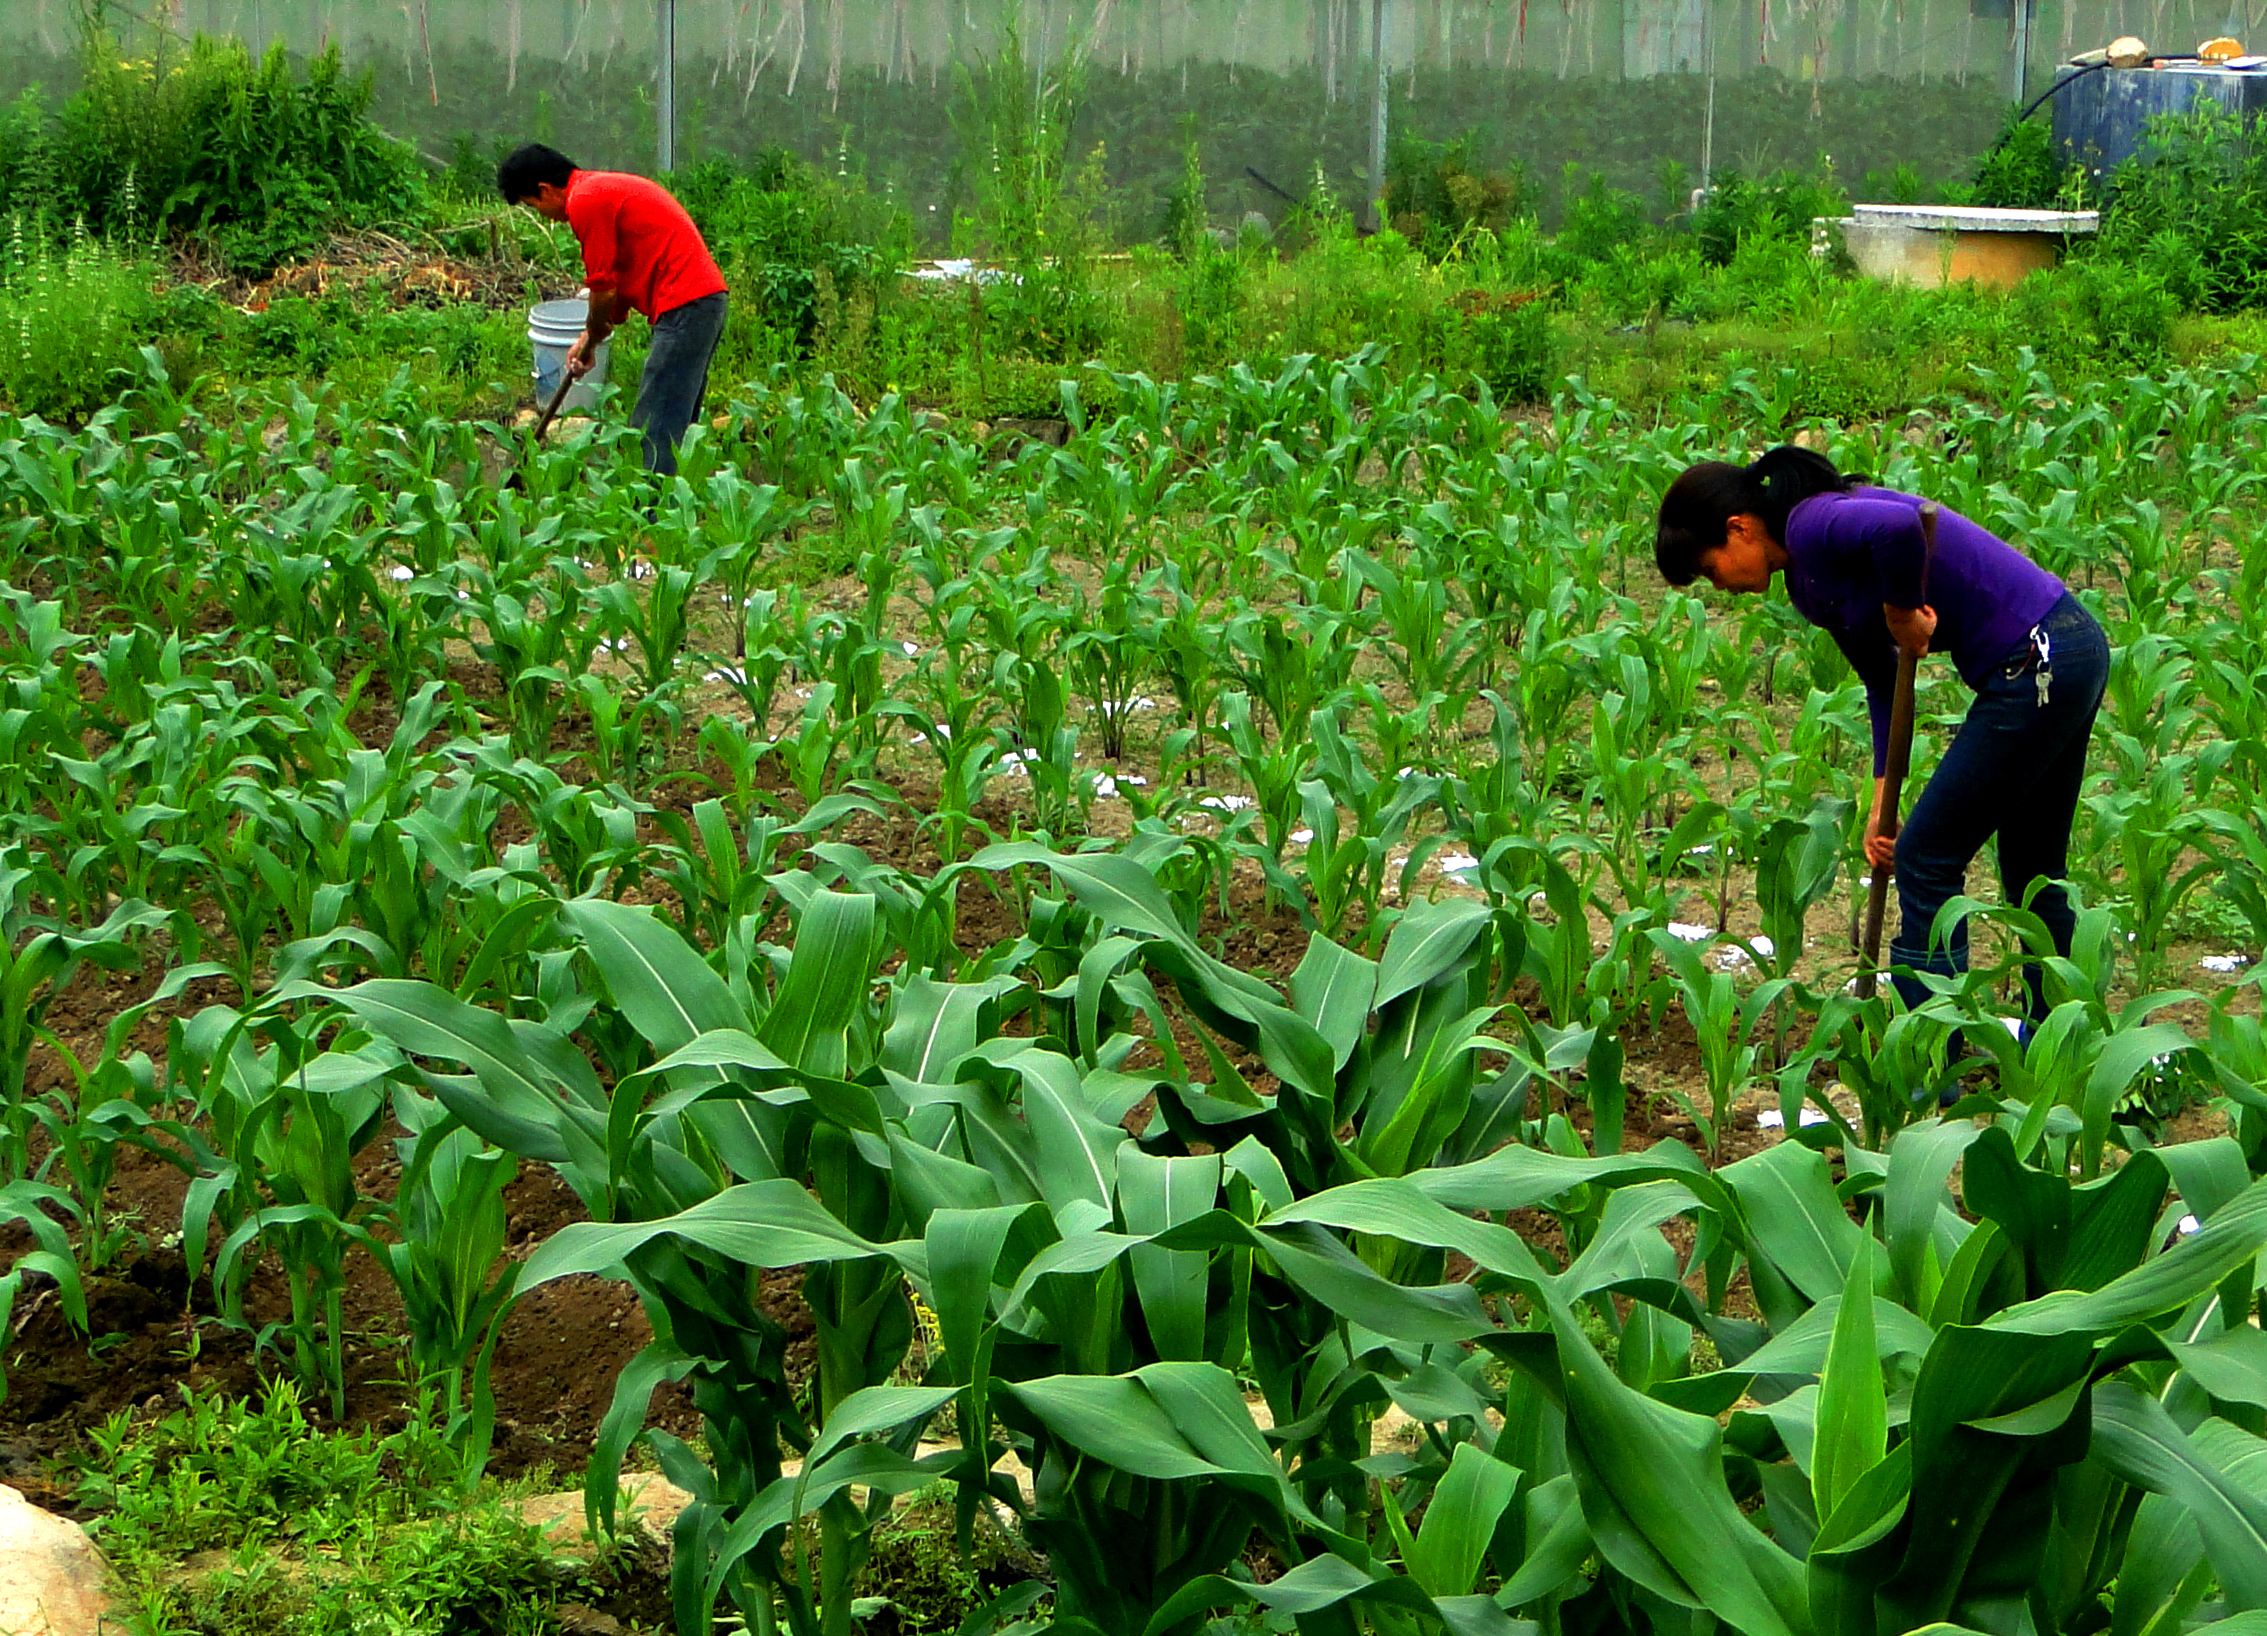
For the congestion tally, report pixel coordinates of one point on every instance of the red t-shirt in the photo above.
(638, 242)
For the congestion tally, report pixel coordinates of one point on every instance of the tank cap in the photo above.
(2128, 51)
(2225, 48)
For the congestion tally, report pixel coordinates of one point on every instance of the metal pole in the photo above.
(1708, 119)
(2023, 11)
(1377, 115)
(665, 81)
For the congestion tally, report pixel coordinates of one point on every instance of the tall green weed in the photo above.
(261, 160)
(72, 315)
(2190, 206)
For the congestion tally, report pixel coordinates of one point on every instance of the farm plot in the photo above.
(1033, 945)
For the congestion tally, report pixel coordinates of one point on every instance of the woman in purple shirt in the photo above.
(1855, 567)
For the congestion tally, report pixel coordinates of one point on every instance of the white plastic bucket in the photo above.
(552, 327)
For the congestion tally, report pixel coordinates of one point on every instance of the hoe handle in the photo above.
(551, 409)
(550, 412)
(1900, 759)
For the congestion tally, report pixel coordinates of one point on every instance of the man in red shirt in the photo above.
(641, 253)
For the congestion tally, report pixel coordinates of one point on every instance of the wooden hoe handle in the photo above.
(1899, 761)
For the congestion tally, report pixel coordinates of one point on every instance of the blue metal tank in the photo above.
(2098, 117)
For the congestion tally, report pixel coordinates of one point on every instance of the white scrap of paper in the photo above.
(1773, 1119)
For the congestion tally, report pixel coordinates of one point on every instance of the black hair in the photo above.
(528, 168)
(1701, 502)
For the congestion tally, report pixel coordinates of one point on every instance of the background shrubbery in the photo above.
(235, 166)
(256, 160)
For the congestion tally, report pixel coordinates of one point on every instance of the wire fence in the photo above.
(1275, 93)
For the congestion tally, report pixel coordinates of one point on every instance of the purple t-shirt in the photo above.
(1853, 552)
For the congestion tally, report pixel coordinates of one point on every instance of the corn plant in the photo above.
(286, 1123)
(38, 960)
(1727, 1025)
(448, 1262)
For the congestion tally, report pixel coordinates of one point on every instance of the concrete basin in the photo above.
(1935, 245)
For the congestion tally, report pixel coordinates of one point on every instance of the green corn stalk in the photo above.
(286, 1125)
(1726, 1024)
(38, 960)
(449, 1263)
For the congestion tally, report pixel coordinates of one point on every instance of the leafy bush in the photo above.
(2024, 170)
(1188, 210)
(71, 319)
(2200, 177)
(1038, 209)
(1437, 192)
(1596, 217)
(209, 141)
(785, 237)
(1506, 341)
(261, 1489)
(2172, 258)
(1634, 281)
(1781, 206)
(2100, 312)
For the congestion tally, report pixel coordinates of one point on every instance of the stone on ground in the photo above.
(55, 1581)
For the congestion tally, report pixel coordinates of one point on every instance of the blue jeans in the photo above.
(2013, 770)
(676, 377)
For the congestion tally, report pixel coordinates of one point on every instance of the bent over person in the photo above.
(641, 253)
(1855, 566)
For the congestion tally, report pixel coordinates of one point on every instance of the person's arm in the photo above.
(1877, 669)
(595, 226)
(1890, 535)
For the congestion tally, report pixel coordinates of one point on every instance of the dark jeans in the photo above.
(676, 376)
(2013, 770)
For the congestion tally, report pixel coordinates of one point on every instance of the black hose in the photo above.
(1270, 186)
(2032, 106)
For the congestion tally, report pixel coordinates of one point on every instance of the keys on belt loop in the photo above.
(2043, 646)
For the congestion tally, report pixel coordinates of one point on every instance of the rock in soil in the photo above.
(54, 1583)
(651, 1501)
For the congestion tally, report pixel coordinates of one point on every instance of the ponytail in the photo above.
(1702, 502)
(1789, 475)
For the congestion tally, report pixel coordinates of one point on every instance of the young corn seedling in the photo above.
(38, 960)
(1045, 748)
(1112, 649)
(531, 640)
(449, 1264)
(649, 623)
(812, 750)
(1727, 1026)
(765, 650)
(1272, 769)
(286, 1124)
(1351, 872)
